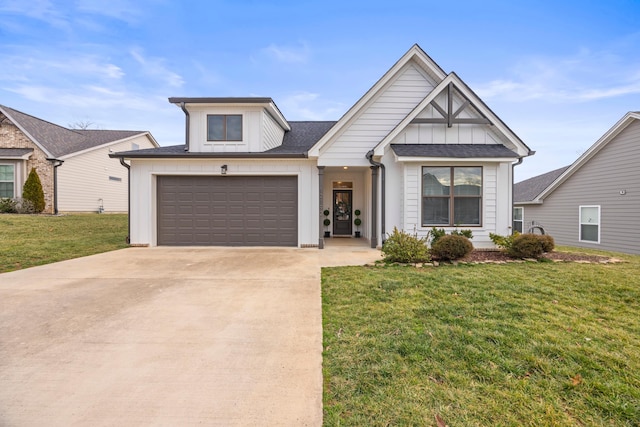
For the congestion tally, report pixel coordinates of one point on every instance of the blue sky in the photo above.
(559, 73)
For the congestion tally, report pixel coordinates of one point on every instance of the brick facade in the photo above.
(12, 137)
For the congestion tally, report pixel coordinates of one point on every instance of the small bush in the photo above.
(526, 246)
(8, 206)
(548, 244)
(404, 247)
(435, 234)
(503, 242)
(466, 233)
(326, 221)
(32, 191)
(451, 247)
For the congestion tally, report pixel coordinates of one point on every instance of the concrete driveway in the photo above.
(167, 336)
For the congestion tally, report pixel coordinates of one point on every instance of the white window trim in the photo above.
(580, 223)
(521, 218)
(15, 176)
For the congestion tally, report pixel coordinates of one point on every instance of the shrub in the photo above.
(466, 233)
(326, 221)
(503, 242)
(8, 206)
(526, 246)
(451, 247)
(404, 247)
(357, 222)
(548, 244)
(435, 234)
(32, 191)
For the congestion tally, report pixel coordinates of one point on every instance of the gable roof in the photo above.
(622, 124)
(57, 141)
(527, 190)
(414, 54)
(453, 79)
(295, 144)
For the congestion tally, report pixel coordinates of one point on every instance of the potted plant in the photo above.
(357, 221)
(326, 223)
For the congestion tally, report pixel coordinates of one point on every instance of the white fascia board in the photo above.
(414, 53)
(592, 151)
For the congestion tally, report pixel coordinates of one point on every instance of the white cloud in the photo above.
(584, 76)
(155, 67)
(122, 10)
(288, 54)
(309, 106)
(42, 10)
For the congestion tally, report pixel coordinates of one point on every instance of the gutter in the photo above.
(217, 155)
(123, 163)
(186, 131)
(380, 166)
(56, 163)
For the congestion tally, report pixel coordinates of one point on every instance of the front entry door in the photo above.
(342, 212)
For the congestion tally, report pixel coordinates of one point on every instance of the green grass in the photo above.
(30, 240)
(533, 344)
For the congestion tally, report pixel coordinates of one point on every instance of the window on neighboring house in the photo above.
(441, 206)
(7, 181)
(590, 224)
(221, 127)
(518, 219)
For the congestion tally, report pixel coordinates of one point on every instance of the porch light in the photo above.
(223, 169)
(345, 167)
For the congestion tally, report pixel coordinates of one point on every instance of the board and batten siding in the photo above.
(252, 124)
(598, 182)
(496, 200)
(272, 133)
(144, 190)
(378, 118)
(87, 177)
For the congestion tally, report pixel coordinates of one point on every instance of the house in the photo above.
(418, 150)
(595, 202)
(74, 166)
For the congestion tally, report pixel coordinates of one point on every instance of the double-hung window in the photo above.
(590, 224)
(7, 181)
(451, 196)
(518, 219)
(224, 127)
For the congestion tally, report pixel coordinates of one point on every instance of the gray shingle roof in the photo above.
(527, 190)
(296, 143)
(60, 141)
(453, 150)
(14, 153)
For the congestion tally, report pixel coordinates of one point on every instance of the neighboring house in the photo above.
(74, 166)
(595, 202)
(418, 150)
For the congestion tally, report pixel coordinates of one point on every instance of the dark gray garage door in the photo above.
(228, 210)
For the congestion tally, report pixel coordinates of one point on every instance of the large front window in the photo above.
(441, 206)
(224, 127)
(7, 177)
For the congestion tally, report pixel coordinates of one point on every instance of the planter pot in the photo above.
(357, 234)
(327, 234)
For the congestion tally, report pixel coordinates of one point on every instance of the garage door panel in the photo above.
(229, 210)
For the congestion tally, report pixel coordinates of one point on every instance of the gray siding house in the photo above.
(593, 203)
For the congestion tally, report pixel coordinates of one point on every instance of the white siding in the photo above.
(143, 190)
(378, 118)
(495, 201)
(271, 131)
(85, 178)
(252, 126)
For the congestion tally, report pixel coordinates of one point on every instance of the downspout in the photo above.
(123, 163)
(513, 188)
(186, 131)
(56, 164)
(382, 192)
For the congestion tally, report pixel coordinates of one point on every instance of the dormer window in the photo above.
(224, 127)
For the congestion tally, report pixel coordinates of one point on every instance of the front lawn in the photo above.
(30, 240)
(526, 344)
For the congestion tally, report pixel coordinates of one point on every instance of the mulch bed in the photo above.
(484, 256)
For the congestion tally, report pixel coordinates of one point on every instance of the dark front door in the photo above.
(342, 212)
